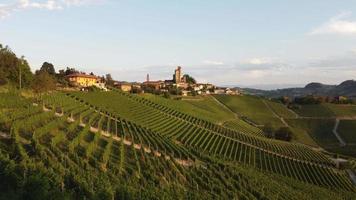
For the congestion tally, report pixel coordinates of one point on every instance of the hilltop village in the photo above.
(182, 85)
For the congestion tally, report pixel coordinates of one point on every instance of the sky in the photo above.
(266, 43)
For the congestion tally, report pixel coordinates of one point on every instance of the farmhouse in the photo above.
(124, 86)
(83, 80)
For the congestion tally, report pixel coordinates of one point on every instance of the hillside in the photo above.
(311, 124)
(120, 145)
(346, 88)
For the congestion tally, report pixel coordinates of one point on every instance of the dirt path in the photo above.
(275, 114)
(237, 116)
(352, 176)
(342, 142)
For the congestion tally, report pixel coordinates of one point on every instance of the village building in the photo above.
(153, 84)
(83, 80)
(178, 81)
(124, 86)
(219, 91)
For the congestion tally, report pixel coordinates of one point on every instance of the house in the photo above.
(219, 91)
(126, 87)
(154, 84)
(185, 93)
(232, 91)
(83, 80)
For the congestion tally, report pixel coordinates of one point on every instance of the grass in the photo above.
(280, 109)
(347, 130)
(342, 110)
(204, 107)
(327, 110)
(319, 110)
(251, 107)
(321, 132)
(243, 126)
(319, 129)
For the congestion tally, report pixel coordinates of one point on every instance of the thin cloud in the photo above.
(337, 25)
(212, 62)
(21, 5)
(353, 51)
(258, 61)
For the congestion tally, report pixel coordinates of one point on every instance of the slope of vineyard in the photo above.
(347, 130)
(204, 107)
(251, 107)
(215, 140)
(326, 110)
(319, 129)
(117, 145)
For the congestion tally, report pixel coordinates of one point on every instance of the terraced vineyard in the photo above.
(126, 146)
(251, 107)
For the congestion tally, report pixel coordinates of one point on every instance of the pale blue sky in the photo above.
(224, 42)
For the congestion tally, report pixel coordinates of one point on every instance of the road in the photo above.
(342, 142)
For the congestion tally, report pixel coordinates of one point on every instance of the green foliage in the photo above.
(189, 79)
(11, 67)
(64, 161)
(268, 130)
(43, 82)
(283, 133)
(109, 80)
(49, 68)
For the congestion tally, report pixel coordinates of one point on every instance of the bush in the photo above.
(167, 95)
(268, 130)
(283, 133)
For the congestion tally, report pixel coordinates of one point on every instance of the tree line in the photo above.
(15, 71)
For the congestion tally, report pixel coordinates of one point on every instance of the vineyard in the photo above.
(120, 145)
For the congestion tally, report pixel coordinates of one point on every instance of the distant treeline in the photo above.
(311, 99)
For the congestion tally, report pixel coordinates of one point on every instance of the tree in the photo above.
(109, 80)
(69, 71)
(12, 68)
(189, 79)
(268, 130)
(166, 95)
(43, 82)
(49, 68)
(283, 133)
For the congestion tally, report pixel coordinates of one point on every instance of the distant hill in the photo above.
(346, 88)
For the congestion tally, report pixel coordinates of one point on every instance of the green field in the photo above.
(321, 132)
(319, 129)
(327, 110)
(251, 107)
(347, 131)
(204, 107)
(280, 109)
(122, 146)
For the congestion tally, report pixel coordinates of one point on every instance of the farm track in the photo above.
(236, 114)
(275, 114)
(342, 142)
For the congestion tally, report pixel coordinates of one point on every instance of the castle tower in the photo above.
(177, 75)
(148, 78)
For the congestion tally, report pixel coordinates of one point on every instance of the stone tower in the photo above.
(177, 78)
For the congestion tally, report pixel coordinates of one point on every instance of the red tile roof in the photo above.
(83, 75)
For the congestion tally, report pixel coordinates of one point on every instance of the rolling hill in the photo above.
(346, 88)
(118, 145)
